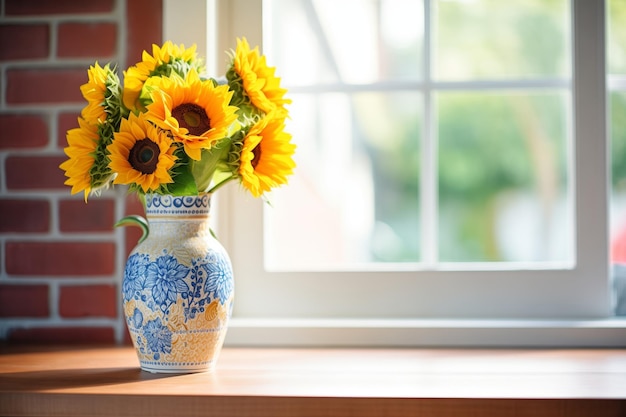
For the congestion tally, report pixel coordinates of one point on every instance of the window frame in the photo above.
(474, 306)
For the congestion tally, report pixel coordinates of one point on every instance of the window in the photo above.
(421, 276)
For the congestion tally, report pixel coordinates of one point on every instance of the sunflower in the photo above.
(254, 80)
(94, 92)
(196, 112)
(266, 156)
(82, 143)
(163, 61)
(141, 154)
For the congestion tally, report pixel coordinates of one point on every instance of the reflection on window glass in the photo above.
(495, 39)
(502, 177)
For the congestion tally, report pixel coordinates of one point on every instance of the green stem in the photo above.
(220, 184)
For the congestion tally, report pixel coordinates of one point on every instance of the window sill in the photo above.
(597, 333)
(101, 381)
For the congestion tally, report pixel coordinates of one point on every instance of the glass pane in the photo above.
(616, 58)
(495, 39)
(503, 177)
(616, 48)
(348, 41)
(354, 197)
(618, 181)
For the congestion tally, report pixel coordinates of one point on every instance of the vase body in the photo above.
(178, 288)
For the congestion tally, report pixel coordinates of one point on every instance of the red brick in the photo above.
(40, 86)
(144, 27)
(88, 301)
(132, 234)
(35, 172)
(77, 40)
(62, 259)
(24, 216)
(23, 131)
(126, 339)
(62, 335)
(24, 300)
(24, 41)
(42, 7)
(78, 216)
(66, 122)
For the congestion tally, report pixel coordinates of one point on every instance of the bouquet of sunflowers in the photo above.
(170, 130)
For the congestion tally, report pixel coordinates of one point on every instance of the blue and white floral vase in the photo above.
(178, 287)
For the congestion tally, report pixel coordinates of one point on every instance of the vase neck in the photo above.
(159, 206)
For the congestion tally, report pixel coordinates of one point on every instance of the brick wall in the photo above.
(61, 261)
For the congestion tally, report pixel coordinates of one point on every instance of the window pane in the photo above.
(503, 177)
(618, 162)
(616, 45)
(355, 196)
(347, 41)
(495, 39)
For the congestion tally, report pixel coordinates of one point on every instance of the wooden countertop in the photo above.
(107, 381)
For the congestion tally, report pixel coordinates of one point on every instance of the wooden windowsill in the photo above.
(107, 381)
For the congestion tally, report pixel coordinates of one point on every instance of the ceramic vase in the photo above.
(178, 288)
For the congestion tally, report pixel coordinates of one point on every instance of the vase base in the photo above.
(176, 369)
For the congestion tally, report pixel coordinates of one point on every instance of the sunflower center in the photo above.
(144, 156)
(257, 156)
(192, 117)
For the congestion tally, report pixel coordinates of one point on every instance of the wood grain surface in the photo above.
(107, 381)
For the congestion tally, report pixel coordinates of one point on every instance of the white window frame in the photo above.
(470, 307)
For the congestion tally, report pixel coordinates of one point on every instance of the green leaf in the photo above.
(136, 220)
(184, 182)
(204, 169)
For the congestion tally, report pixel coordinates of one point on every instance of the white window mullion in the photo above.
(591, 152)
(428, 186)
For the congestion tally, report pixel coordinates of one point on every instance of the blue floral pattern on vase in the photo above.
(219, 280)
(178, 289)
(165, 277)
(158, 338)
(137, 318)
(134, 276)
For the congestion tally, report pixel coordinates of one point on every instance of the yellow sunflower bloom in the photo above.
(266, 156)
(260, 84)
(196, 112)
(94, 92)
(82, 143)
(141, 154)
(153, 65)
